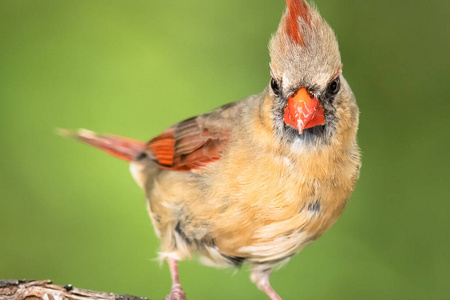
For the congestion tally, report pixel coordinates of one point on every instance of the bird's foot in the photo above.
(176, 293)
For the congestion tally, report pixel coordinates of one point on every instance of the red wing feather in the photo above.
(162, 147)
(188, 145)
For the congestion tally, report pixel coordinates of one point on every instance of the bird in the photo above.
(254, 181)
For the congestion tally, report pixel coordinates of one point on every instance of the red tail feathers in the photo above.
(120, 147)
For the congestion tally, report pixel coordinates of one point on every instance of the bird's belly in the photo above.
(263, 213)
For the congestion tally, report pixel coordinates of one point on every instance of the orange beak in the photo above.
(303, 111)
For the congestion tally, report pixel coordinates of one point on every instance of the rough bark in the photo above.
(45, 290)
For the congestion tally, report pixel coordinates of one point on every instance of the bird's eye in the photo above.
(275, 87)
(334, 86)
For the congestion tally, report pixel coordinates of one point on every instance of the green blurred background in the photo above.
(74, 215)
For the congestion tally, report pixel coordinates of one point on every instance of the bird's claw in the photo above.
(176, 293)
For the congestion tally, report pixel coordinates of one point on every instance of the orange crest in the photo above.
(296, 9)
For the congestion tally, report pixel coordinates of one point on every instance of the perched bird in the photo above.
(256, 180)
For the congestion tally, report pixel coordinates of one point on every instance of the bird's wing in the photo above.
(192, 144)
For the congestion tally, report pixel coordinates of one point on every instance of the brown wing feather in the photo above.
(191, 144)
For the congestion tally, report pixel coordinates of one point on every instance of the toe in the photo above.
(176, 293)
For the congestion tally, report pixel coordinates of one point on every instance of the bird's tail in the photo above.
(117, 146)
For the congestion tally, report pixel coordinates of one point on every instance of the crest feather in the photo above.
(296, 9)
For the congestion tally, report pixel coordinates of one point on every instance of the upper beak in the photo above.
(303, 111)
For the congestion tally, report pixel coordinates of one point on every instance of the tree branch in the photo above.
(45, 290)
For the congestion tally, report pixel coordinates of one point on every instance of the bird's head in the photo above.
(311, 99)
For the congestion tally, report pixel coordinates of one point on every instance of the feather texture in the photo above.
(296, 9)
(189, 145)
(120, 147)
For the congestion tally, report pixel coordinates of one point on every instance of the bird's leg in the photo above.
(176, 293)
(260, 276)
(266, 287)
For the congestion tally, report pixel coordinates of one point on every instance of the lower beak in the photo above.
(303, 111)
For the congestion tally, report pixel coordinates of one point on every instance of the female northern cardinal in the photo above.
(256, 180)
